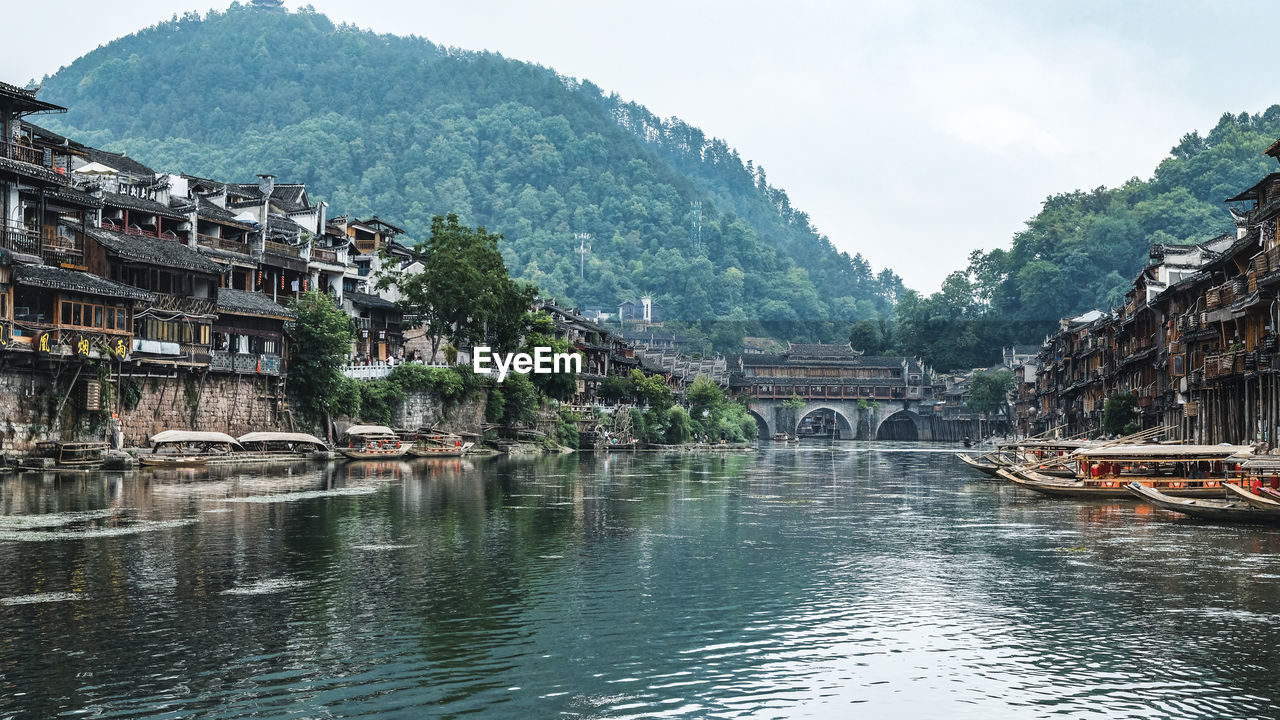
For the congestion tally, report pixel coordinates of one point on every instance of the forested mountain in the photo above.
(1083, 250)
(406, 129)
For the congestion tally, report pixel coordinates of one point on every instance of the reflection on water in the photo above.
(882, 581)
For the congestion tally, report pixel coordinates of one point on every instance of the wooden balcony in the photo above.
(41, 161)
(280, 249)
(221, 243)
(63, 251)
(20, 240)
(325, 255)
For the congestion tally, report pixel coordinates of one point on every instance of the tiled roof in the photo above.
(280, 223)
(153, 251)
(369, 301)
(211, 211)
(25, 100)
(241, 302)
(72, 195)
(119, 161)
(820, 350)
(56, 278)
(133, 202)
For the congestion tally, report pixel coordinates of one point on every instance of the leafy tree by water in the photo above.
(1120, 414)
(320, 340)
(463, 293)
(989, 391)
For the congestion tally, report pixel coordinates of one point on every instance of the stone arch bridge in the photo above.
(895, 419)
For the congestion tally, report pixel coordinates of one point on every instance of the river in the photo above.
(854, 580)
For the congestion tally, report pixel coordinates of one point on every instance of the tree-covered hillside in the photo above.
(1083, 250)
(406, 129)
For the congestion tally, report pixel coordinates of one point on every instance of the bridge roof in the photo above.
(862, 361)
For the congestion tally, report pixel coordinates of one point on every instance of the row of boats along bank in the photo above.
(1216, 482)
(187, 448)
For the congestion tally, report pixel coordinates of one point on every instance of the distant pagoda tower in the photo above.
(267, 3)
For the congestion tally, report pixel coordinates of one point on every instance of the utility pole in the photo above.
(583, 249)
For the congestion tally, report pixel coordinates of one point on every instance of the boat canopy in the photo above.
(1265, 463)
(1169, 453)
(256, 438)
(370, 430)
(193, 437)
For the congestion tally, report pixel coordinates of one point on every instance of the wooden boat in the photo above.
(1206, 508)
(188, 448)
(1246, 494)
(371, 442)
(284, 445)
(784, 438)
(73, 454)
(977, 463)
(429, 442)
(1106, 471)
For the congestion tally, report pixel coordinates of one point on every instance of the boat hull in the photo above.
(1206, 508)
(988, 468)
(177, 461)
(441, 453)
(354, 454)
(1113, 489)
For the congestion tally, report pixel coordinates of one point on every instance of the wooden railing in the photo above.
(20, 240)
(280, 248)
(64, 251)
(325, 255)
(221, 243)
(23, 153)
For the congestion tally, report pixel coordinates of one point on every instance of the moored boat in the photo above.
(284, 445)
(371, 442)
(1253, 496)
(978, 463)
(429, 442)
(86, 455)
(1206, 508)
(188, 448)
(1106, 471)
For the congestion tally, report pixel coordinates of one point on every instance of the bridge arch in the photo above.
(764, 431)
(901, 425)
(846, 423)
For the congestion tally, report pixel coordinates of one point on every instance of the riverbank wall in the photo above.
(77, 403)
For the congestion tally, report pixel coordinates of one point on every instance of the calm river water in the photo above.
(861, 581)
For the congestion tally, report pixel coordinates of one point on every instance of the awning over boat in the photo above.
(369, 430)
(1266, 463)
(1166, 452)
(193, 437)
(284, 437)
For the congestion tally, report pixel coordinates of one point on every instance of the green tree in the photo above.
(615, 389)
(541, 333)
(520, 400)
(989, 391)
(870, 335)
(463, 293)
(705, 397)
(652, 390)
(1120, 414)
(321, 340)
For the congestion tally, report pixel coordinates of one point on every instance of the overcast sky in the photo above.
(912, 132)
